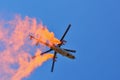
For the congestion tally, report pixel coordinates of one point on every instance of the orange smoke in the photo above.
(16, 48)
(26, 68)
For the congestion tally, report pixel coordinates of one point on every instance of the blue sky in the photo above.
(95, 34)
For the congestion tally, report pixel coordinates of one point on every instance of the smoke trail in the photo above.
(15, 47)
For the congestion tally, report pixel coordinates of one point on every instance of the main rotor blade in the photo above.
(65, 32)
(53, 63)
(70, 50)
(55, 53)
(46, 51)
